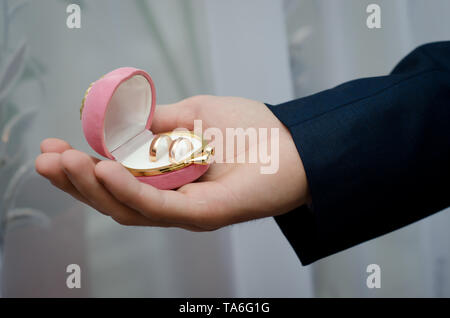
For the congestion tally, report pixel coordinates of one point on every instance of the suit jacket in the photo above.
(376, 153)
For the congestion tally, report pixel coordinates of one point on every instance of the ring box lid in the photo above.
(117, 108)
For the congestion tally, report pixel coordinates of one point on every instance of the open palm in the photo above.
(228, 193)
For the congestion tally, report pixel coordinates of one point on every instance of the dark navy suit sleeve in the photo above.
(376, 153)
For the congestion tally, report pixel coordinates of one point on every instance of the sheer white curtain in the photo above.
(250, 58)
(166, 39)
(195, 47)
(189, 47)
(330, 44)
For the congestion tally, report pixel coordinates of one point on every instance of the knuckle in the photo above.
(69, 163)
(199, 216)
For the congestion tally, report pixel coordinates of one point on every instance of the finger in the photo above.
(160, 205)
(54, 145)
(80, 171)
(48, 165)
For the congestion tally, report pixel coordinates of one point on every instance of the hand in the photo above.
(228, 193)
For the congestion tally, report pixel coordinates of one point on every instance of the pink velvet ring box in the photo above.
(116, 115)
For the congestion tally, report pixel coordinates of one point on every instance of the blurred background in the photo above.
(266, 50)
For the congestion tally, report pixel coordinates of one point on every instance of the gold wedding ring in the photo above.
(172, 146)
(176, 144)
(202, 156)
(156, 143)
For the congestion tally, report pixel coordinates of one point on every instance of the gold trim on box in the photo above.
(201, 157)
(85, 95)
(84, 98)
